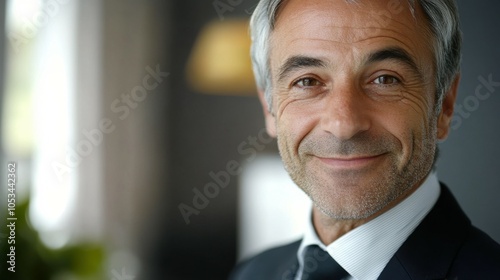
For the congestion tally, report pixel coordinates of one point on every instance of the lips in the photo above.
(351, 162)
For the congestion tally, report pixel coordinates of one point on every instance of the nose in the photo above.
(345, 112)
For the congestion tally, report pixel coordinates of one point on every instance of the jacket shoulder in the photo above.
(279, 261)
(479, 256)
(445, 245)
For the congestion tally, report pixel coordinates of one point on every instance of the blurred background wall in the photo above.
(108, 90)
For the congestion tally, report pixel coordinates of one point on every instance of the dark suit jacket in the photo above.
(444, 246)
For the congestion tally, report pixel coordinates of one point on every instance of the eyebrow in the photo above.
(394, 53)
(297, 62)
(397, 54)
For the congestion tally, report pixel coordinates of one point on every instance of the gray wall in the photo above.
(469, 162)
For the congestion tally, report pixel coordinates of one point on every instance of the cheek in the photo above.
(404, 125)
(414, 113)
(295, 121)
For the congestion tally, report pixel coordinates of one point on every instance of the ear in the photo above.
(446, 114)
(268, 115)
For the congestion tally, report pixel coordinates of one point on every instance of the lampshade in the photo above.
(220, 60)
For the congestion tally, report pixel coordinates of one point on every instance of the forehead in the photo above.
(329, 25)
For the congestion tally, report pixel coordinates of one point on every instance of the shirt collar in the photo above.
(366, 250)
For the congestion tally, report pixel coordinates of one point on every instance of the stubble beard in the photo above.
(342, 197)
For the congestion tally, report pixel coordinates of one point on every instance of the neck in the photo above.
(329, 229)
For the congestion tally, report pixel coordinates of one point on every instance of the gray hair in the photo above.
(442, 17)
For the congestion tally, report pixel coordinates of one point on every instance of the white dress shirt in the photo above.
(364, 251)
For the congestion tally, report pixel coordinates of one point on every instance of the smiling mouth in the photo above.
(352, 162)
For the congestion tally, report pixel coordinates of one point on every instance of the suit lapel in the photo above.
(279, 264)
(429, 250)
(287, 269)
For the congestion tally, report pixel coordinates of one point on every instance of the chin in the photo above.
(352, 198)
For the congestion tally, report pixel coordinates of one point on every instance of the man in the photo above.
(358, 93)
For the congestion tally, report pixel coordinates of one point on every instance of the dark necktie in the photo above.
(319, 265)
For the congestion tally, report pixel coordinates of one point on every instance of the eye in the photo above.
(386, 80)
(307, 82)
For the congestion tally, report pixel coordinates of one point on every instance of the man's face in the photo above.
(354, 102)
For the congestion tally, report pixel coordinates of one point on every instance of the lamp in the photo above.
(220, 60)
